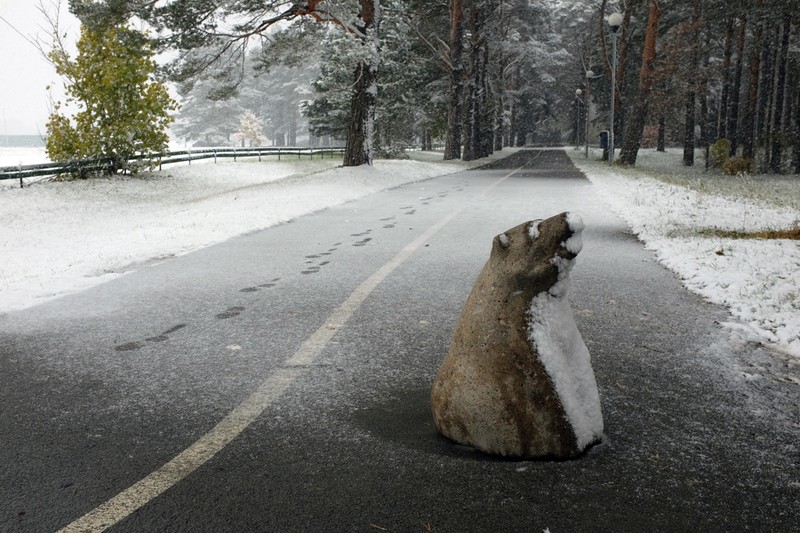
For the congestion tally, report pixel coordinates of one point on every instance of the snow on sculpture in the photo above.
(517, 380)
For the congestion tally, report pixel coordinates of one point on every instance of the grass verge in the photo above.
(791, 234)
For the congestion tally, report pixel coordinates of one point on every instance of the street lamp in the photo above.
(614, 22)
(578, 93)
(589, 77)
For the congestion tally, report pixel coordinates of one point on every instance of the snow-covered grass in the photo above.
(682, 213)
(779, 190)
(61, 237)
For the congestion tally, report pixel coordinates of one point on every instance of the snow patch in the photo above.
(564, 267)
(575, 222)
(574, 244)
(568, 363)
(533, 229)
(755, 279)
(555, 336)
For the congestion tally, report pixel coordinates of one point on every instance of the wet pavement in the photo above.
(103, 388)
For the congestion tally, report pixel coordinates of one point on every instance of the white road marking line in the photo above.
(147, 489)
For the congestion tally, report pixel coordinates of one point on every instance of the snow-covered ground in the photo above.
(61, 237)
(672, 209)
(13, 156)
(57, 238)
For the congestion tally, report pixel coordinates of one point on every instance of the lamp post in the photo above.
(578, 93)
(614, 22)
(589, 76)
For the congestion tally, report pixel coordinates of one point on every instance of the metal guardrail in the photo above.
(88, 166)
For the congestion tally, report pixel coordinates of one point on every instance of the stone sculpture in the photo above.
(517, 380)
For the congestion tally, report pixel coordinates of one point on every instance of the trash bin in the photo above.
(604, 144)
(604, 140)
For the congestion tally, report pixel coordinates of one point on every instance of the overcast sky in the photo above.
(24, 100)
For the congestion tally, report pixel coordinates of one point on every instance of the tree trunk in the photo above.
(622, 63)
(602, 33)
(789, 126)
(736, 89)
(661, 145)
(472, 138)
(452, 146)
(498, 134)
(780, 82)
(705, 115)
(488, 106)
(722, 128)
(361, 128)
(513, 127)
(638, 112)
(749, 121)
(764, 97)
(293, 111)
(691, 96)
(513, 113)
(498, 118)
(501, 98)
(688, 132)
(705, 127)
(796, 147)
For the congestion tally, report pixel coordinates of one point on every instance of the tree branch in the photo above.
(438, 52)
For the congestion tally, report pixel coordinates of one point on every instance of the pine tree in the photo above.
(360, 149)
(206, 120)
(402, 111)
(121, 110)
(637, 115)
(199, 26)
(453, 142)
(276, 93)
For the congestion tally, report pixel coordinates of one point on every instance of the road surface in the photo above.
(279, 382)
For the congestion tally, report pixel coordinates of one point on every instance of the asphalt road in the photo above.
(300, 358)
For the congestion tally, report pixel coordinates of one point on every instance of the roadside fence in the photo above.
(83, 167)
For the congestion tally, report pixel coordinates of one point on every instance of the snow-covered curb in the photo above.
(757, 280)
(60, 238)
